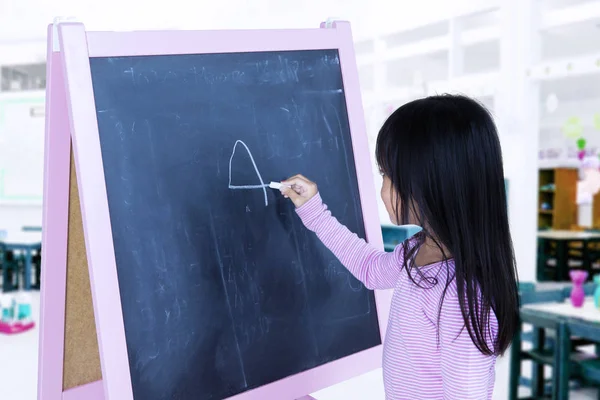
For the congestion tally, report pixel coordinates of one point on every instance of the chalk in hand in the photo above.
(277, 185)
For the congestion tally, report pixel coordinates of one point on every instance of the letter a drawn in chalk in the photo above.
(248, 187)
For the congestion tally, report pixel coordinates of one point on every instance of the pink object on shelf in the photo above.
(15, 327)
(577, 293)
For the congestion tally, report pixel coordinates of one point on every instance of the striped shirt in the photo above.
(417, 362)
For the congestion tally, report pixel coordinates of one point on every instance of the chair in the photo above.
(585, 368)
(588, 288)
(10, 269)
(593, 254)
(549, 346)
(394, 235)
(36, 269)
(526, 287)
(543, 351)
(547, 260)
(540, 297)
(556, 257)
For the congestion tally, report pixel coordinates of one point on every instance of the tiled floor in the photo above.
(18, 373)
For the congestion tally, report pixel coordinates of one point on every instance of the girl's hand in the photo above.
(299, 189)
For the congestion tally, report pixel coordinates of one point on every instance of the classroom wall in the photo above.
(558, 150)
(21, 158)
(28, 52)
(584, 216)
(368, 18)
(15, 217)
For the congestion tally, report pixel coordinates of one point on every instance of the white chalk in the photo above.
(277, 185)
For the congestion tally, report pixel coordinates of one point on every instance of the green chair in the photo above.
(393, 235)
(585, 368)
(542, 353)
(589, 289)
(526, 287)
(593, 255)
(10, 270)
(546, 253)
(36, 268)
(550, 348)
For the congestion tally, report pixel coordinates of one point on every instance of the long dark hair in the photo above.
(443, 157)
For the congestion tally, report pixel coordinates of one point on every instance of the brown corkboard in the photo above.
(81, 359)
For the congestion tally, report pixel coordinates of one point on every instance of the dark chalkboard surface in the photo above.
(222, 288)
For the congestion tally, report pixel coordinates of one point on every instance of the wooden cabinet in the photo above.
(596, 211)
(557, 198)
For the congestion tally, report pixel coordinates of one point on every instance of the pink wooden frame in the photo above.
(54, 235)
(71, 101)
(54, 239)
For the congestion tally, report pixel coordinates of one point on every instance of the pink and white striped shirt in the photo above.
(416, 365)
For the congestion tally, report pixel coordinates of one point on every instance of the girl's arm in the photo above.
(376, 269)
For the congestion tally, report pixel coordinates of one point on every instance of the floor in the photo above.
(18, 373)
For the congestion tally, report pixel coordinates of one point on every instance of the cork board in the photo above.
(81, 358)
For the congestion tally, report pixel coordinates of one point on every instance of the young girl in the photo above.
(455, 303)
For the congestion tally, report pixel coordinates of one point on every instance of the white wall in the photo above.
(22, 32)
(13, 218)
(558, 150)
(21, 158)
(17, 21)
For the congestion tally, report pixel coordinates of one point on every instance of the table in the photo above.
(588, 312)
(27, 242)
(540, 320)
(562, 238)
(567, 235)
(557, 316)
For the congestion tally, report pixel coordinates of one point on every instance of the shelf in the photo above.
(557, 191)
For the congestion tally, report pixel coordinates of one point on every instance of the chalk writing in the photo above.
(262, 185)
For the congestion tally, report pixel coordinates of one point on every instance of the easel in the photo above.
(77, 360)
(69, 362)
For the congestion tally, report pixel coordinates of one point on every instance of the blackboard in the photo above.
(222, 288)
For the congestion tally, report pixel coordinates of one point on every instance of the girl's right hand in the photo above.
(299, 189)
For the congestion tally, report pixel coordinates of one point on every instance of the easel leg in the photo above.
(306, 398)
(54, 237)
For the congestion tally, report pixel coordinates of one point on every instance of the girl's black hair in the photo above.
(443, 157)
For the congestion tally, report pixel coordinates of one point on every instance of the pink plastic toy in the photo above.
(15, 327)
(577, 293)
(15, 314)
